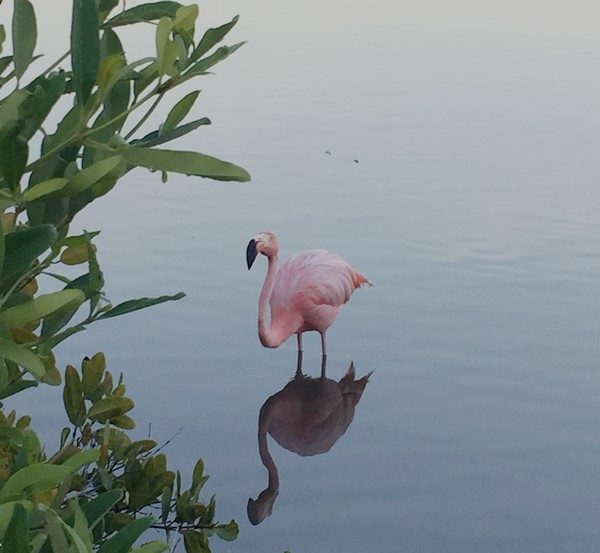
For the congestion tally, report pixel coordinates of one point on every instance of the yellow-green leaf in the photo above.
(75, 255)
(109, 408)
(39, 307)
(108, 72)
(93, 371)
(73, 396)
(22, 357)
(185, 18)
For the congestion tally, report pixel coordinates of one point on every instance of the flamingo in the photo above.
(306, 293)
(308, 416)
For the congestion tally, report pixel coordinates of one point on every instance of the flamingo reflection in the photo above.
(308, 416)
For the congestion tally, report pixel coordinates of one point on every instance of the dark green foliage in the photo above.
(100, 486)
(99, 491)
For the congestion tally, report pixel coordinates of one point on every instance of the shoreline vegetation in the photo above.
(100, 490)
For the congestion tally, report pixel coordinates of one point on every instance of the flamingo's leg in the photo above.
(324, 356)
(299, 335)
(299, 364)
(323, 345)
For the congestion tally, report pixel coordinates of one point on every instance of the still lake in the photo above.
(474, 209)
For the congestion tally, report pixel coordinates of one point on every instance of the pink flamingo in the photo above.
(306, 293)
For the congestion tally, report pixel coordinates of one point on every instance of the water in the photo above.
(473, 208)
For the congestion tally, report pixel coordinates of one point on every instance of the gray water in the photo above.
(473, 208)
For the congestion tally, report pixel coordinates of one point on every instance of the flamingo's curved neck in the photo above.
(267, 337)
(263, 448)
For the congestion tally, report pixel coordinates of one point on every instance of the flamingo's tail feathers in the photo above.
(366, 378)
(359, 280)
(349, 384)
(351, 372)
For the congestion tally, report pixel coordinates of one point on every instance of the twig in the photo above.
(145, 117)
(169, 440)
(55, 64)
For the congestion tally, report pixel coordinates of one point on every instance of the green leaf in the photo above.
(109, 408)
(2, 244)
(152, 547)
(146, 77)
(106, 6)
(15, 538)
(12, 434)
(228, 532)
(24, 246)
(39, 307)
(71, 124)
(2, 37)
(96, 509)
(16, 387)
(204, 64)
(144, 12)
(189, 163)
(59, 318)
(124, 421)
(45, 93)
(166, 49)
(197, 474)
(79, 240)
(13, 155)
(52, 376)
(45, 188)
(56, 535)
(85, 47)
(127, 536)
(195, 542)
(64, 435)
(77, 542)
(24, 31)
(135, 305)
(179, 111)
(159, 137)
(89, 176)
(22, 357)
(165, 503)
(116, 101)
(5, 61)
(37, 542)
(34, 479)
(10, 106)
(80, 526)
(96, 278)
(109, 70)
(82, 459)
(212, 37)
(73, 396)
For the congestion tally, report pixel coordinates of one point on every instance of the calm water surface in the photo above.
(473, 208)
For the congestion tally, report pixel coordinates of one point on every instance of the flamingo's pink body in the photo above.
(305, 293)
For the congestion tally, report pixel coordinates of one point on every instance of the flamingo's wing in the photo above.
(318, 276)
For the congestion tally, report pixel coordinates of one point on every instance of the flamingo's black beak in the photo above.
(251, 253)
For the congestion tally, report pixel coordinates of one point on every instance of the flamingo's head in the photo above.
(265, 243)
(261, 507)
